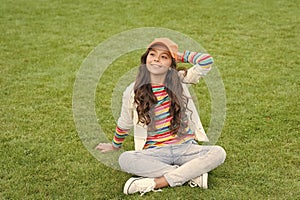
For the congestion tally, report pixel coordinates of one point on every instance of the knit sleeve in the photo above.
(125, 121)
(202, 62)
(119, 137)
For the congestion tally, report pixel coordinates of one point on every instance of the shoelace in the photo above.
(149, 189)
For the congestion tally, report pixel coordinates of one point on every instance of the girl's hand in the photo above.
(105, 147)
(179, 57)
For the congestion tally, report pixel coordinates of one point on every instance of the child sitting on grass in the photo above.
(166, 123)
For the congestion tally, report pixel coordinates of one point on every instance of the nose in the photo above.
(156, 58)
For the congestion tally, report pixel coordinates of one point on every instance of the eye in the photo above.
(165, 57)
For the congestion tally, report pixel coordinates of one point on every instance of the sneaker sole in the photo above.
(205, 181)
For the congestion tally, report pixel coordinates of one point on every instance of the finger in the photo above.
(99, 147)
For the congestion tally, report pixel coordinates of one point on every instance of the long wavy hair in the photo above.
(146, 100)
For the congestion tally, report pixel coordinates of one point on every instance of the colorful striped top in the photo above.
(162, 134)
(162, 119)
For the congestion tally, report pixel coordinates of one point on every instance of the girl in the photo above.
(166, 123)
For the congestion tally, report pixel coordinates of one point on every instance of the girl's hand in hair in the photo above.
(105, 147)
(179, 57)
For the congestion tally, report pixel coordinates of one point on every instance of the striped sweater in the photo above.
(162, 134)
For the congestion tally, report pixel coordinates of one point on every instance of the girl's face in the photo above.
(158, 60)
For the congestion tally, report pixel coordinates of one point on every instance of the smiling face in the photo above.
(158, 62)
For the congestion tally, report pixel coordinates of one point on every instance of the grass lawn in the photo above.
(255, 45)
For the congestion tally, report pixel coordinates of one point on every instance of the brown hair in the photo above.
(146, 100)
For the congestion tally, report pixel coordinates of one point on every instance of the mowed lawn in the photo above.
(255, 45)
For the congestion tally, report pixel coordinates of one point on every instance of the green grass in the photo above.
(255, 45)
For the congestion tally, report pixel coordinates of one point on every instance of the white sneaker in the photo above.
(200, 181)
(141, 185)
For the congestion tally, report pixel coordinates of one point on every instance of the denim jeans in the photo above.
(177, 163)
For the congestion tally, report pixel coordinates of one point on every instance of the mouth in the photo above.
(155, 65)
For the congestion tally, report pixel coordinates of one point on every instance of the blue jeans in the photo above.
(177, 163)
